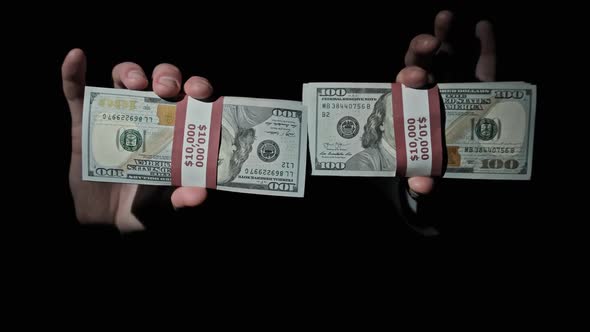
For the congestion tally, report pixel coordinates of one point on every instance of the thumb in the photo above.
(188, 196)
(73, 73)
(421, 185)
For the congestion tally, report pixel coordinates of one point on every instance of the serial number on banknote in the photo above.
(272, 172)
(127, 117)
(346, 106)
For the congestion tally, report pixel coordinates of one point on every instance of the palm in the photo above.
(94, 202)
(97, 202)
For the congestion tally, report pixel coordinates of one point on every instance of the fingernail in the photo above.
(136, 75)
(414, 194)
(202, 85)
(168, 81)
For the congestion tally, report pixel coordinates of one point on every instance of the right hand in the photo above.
(426, 52)
(420, 67)
(110, 203)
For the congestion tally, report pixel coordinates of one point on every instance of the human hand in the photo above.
(110, 203)
(419, 61)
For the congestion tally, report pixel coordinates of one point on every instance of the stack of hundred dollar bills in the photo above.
(488, 134)
(488, 129)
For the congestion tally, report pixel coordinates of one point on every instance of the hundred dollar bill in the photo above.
(137, 137)
(488, 129)
(370, 129)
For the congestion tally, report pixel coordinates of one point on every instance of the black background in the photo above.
(269, 51)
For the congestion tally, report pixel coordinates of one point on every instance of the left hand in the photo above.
(111, 203)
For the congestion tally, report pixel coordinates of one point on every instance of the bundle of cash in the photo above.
(258, 145)
(488, 129)
(249, 145)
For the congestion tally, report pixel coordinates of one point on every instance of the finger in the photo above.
(129, 75)
(188, 196)
(73, 73)
(166, 80)
(422, 185)
(125, 220)
(421, 51)
(486, 65)
(198, 87)
(442, 27)
(412, 77)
